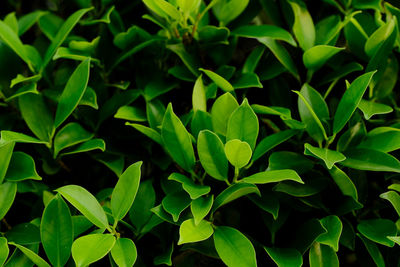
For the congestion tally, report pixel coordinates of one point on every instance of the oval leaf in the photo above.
(124, 252)
(91, 248)
(238, 153)
(189, 232)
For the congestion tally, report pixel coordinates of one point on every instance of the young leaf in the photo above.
(124, 252)
(56, 231)
(177, 140)
(8, 190)
(285, 257)
(200, 207)
(199, 101)
(303, 27)
(21, 167)
(243, 125)
(73, 92)
(377, 230)
(86, 203)
(273, 177)
(218, 80)
(350, 100)
(234, 249)
(91, 248)
(189, 232)
(238, 153)
(234, 192)
(221, 111)
(330, 157)
(125, 190)
(212, 155)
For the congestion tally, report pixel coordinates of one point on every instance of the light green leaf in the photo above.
(226, 11)
(6, 151)
(303, 26)
(22, 79)
(200, 207)
(321, 255)
(370, 108)
(163, 8)
(91, 248)
(350, 100)
(125, 191)
(234, 249)
(315, 57)
(189, 232)
(238, 153)
(218, 80)
(376, 40)
(36, 259)
(221, 111)
(124, 252)
(394, 198)
(62, 34)
(90, 145)
(21, 167)
(177, 140)
(344, 183)
(234, 192)
(10, 136)
(4, 250)
(273, 177)
(199, 101)
(194, 190)
(56, 231)
(334, 227)
(73, 92)
(212, 155)
(377, 230)
(330, 157)
(71, 134)
(8, 190)
(27, 21)
(385, 139)
(130, 113)
(260, 31)
(86, 203)
(26, 89)
(285, 257)
(176, 203)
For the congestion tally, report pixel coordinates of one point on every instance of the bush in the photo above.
(199, 133)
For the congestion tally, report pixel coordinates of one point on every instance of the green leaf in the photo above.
(62, 34)
(321, 255)
(313, 111)
(260, 31)
(73, 92)
(268, 203)
(10, 136)
(130, 113)
(90, 145)
(370, 108)
(24, 234)
(350, 100)
(285, 257)
(27, 21)
(376, 40)
(212, 155)
(86, 203)
(272, 141)
(36, 259)
(234, 248)
(200, 207)
(163, 9)
(344, 183)
(9, 37)
(71, 134)
(37, 116)
(243, 125)
(221, 111)
(226, 11)
(307, 233)
(166, 257)
(177, 140)
(190, 61)
(125, 191)
(22, 79)
(334, 227)
(273, 177)
(377, 230)
(21, 167)
(26, 89)
(330, 157)
(194, 190)
(4, 250)
(145, 199)
(303, 26)
(373, 251)
(152, 134)
(385, 139)
(189, 232)
(56, 231)
(124, 252)
(176, 203)
(393, 198)
(234, 192)
(315, 57)
(6, 151)
(199, 101)
(8, 190)
(289, 160)
(218, 80)
(91, 248)
(370, 160)
(253, 59)
(238, 153)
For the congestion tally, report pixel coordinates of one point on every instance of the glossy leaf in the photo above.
(334, 227)
(8, 191)
(226, 11)
(385, 139)
(222, 109)
(152, 134)
(189, 232)
(234, 192)
(56, 231)
(344, 183)
(73, 92)
(272, 141)
(199, 95)
(86, 203)
(175, 203)
(91, 248)
(233, 247)
(273, 177)
(194, 190)
(370, 108)
(36, 259)
(21, 167)
(220, 81)
(259, 31)
(200, 207)
(238, 153)
(6, 152)
(4, 250)
(373, 251)
(321, 255)
(330, 157)
(70, 135)
(303, 26)
(125, 191)
(377, 230)
(393, 198)
(124, 252)
(285, 257)
(315, 57)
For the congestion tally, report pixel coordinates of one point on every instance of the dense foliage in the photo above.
(199, 133)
